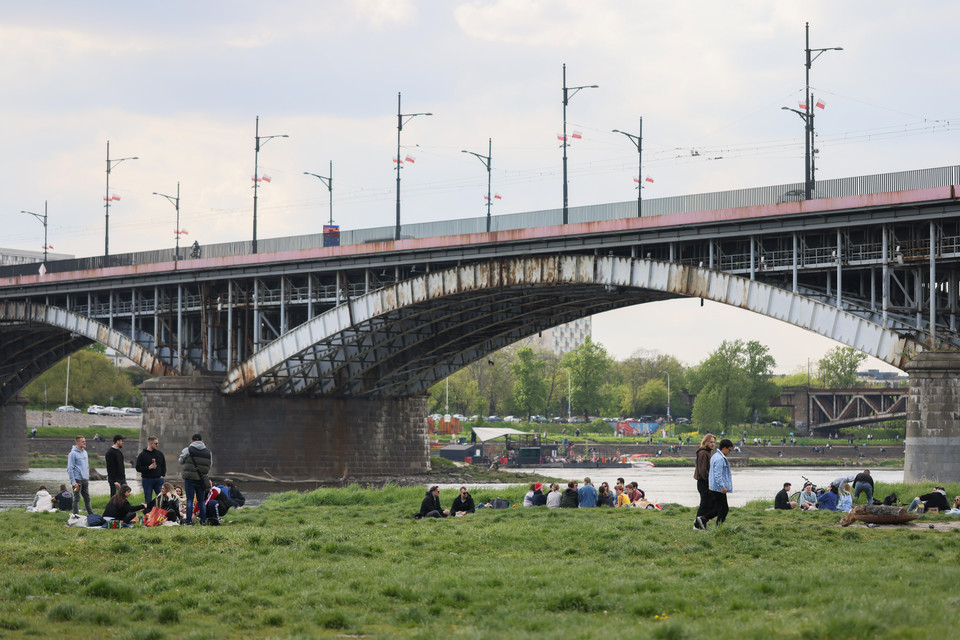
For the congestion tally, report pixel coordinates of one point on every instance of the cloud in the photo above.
(380, 13)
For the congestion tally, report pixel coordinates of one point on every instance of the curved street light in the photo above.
(175, 201)
(637, 141)
(328, 182)
(486, 160)
(43, 221)
(400, 123)
(108, 198)
(566, 98)
(260, 141)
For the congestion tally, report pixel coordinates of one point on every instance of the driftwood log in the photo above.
(879, 514)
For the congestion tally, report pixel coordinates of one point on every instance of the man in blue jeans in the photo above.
(863, 483)
(152, 467)
(196, 461)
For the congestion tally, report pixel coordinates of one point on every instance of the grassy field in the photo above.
(351, 563)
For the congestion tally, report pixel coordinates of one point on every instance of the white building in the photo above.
(566, 337)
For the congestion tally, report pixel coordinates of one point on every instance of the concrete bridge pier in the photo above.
(933, 418)
(290, 438)
(13, 435)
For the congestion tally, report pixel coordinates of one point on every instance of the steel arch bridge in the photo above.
(402, 339)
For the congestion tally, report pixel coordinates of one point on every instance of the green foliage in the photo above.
(838, 367)
(589, 365)
(530, 389)
(732, 384)
(464, 394)
(93, 380)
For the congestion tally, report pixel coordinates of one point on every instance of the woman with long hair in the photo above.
(119, 508)
(702, 474)
(169, 502)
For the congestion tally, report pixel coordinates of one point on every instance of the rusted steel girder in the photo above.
(44, 335)
(401, 339)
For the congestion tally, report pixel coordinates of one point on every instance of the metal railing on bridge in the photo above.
(774, 194)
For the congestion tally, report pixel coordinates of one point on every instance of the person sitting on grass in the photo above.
(587, 494)
(936, 499)
(622, 499)
(169, 502)
(463, 503)
(808, 498)
(554, 497)
(570, 499)
(635, 494)
(119, 507)
(846, 500)
(782, 499)
(64, 499)
(604, 496)
(535, 489)
(430, 507)
(829, 499)
(42, 502)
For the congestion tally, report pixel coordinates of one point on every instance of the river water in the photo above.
(661, 484)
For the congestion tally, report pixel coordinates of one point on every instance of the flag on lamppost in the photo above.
(410, 159)
(821, 104)
(111, 198)
(577, 135)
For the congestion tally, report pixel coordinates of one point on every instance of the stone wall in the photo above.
(13, 444)
(289, 438)
(933, 418)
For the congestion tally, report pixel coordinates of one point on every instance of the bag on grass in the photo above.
(94, 520)
(500, 503)
(890, 499)
(76, 520)
(155, 517)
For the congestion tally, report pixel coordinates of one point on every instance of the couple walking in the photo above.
(714, 480)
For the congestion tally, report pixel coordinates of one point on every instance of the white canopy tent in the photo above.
(489, 433)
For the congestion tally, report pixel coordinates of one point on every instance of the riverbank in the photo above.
(310, 565)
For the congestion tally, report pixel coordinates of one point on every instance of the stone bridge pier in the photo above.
(933, 418)
(290, 438)
(13, 435)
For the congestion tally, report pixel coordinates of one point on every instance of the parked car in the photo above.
(512, 419)
(109, 411)
(67, 408)
(494, 419)
(131, 411)
(94, 409)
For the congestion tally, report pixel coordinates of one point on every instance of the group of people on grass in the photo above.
(201, 497)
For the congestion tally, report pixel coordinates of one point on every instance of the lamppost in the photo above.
(176, 203)
(566, 98)
(43, 221)
(668, 395)
(569, 387)
(328, 182)
(400, 123)
(809, 176)
(260, 141)
(486, 160)
(637, 141)
(108, 198)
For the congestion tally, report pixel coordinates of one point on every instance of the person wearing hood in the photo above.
(78, 472)
(570, 498)
(42, 502)
(196, 461)
(430, 507)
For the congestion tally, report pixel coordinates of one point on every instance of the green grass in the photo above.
(87, 432)
(350, 562)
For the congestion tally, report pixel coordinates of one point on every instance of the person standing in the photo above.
(701, 474)
(721, 483)
(78, 472)
(196, 460)
(116, 475)
(152, 467)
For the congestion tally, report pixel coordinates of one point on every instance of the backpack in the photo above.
(500, 503)
(94, 520)
(890, 499)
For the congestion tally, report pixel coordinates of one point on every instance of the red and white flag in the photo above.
(395, 161)
(410, 159)
(821, 104)
(265, 178)
(637, 180)
(802, 104)
(561, 138)
(649, 179)
(182, 232)
(111, 198)
(577, 135)
(497, 196)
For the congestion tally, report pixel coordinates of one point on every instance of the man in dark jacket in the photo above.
(782, 499)
(430, 507)
(463, 503)
(936, 499)
(196, 460)
(116, 475)
(152, 467)
(570, 498)
(863, 483)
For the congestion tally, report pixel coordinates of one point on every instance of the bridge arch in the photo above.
(399, 340)
(34, 337)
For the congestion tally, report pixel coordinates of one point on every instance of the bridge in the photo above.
(826, 410)
(312, 360)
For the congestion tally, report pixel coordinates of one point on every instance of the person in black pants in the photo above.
(116, 475)
(430, 507)
(702, 475)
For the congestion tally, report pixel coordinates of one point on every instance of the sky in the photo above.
(179, 85)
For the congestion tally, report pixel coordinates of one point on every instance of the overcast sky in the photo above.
(179, 84)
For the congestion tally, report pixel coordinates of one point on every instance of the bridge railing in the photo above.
(838, 187)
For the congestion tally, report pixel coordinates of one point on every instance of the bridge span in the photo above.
(330, 349)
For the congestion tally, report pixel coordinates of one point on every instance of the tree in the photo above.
(653, 397)
(93, 380)
(838, 367)
(759, 369)
(464, 393)
(589, 365)
(530, 389)
(722, 386)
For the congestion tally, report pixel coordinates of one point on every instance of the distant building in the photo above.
(564, 338)
(20, 256)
